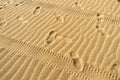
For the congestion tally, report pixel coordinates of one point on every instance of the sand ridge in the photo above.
(107, 7)
(32, 55)
(85, 35)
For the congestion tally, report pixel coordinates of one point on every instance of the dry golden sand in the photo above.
(59, 40)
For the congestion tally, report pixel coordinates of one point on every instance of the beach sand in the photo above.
(59, 40)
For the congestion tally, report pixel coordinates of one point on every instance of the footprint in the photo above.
(103, 32)
(60, 18)
(78, 64)
(98, 14)
(37, 10)
(115, 69)
(118, 0)
(51, 37)
(1, 7)
(20, 18)
(114, 66)
(97, 26)
(50, 40)
(18, 4)
(76, 3)
(73, 54)
(58, 36)
(52, 33)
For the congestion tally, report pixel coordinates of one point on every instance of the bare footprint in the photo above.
(103, 32)
(60, 18)
(37, 10)
(20, 18)
(51, 37)
(58, 36)
(98, 14)
(50, 40)
(72, 54)
(115, 68)
(18, 4)
(97, 26)
(76, 3)
(52, 33)
(78, 64)
(2, 6)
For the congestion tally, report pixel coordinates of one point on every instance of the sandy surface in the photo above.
(59, 40)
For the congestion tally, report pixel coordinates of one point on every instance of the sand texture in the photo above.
(59, 40)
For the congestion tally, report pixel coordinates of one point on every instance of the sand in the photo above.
(59, 40)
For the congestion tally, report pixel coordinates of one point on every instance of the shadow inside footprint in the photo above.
(98, 14)
(118, 0)
(17, 4)
(76, 3)
(51, 33)
(37, 10)
(49, 40)
(97, 26)
(114, 67)
(51, 37)
(1, 7)
(76, 63)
